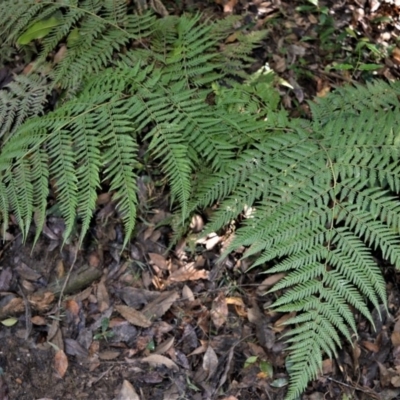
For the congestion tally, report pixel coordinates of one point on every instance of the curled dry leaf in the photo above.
(133, 316)
(60, 363)
(155, 360)
(41, 301)
(188, 273)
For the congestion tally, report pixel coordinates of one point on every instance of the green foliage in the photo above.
(22, 98)
(319, 197)
(161, 84)
(316, 197)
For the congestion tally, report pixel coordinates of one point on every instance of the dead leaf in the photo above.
(188, 273)
(109, 355)
(15, 305)
(210, 362)
(159, 260)
(164, 346)
(155, 360)
(158, 307)
(127, 392)
(38, 320)
(5, 279)
(370, 346)
(279, 325)
(269, 282)
(396, 55)
(240, 308)
(103, 300)
(395, 337)
(60, 363)
(187, 294)
(74, 348)
(60, 54)
(327, 366)
(133, 316)
(228, 5)
(219, 311)
(41, 301)
(26, 272)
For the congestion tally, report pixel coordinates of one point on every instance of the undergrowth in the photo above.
(320, 195)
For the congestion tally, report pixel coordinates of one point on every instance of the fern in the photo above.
(21, 99)
(161, 86)
(320, 195)
(323, 195)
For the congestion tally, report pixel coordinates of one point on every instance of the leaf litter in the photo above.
(144, 324)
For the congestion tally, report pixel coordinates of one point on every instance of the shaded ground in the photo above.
(181, 326)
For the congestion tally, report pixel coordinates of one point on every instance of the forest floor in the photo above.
(101, 323)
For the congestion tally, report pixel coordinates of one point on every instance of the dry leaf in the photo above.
(187, 294)
(269, 282)
(279, 324)
(41, 301)
(133, 316)
(370, 346)
(60, 363)
(60, 54)
(160, 305)
(38, 320)
(164, 346)
(103, 300)
(15, 305)
(109, 355)
(159, 260)
(188, 273)
(395, 337)
(155, 360)
(219, 311)
(127, 392)
(210, 362)
(26, 272)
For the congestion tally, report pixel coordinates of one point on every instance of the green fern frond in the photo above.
(21, 99)
(323, 198)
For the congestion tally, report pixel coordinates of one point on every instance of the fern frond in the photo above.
(21, 99)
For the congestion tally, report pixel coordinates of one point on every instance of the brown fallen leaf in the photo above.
(373, 347)
(159, 260)
(164, 346)
(38, 320)
(109, 355)
(127, 392)
(60, 363)
(133, 316)
(159, 306)
(269, 282)
(155, 360)
(210, 362)
(103, 300)
(188, 273)
(219, 311)
(41, 301)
